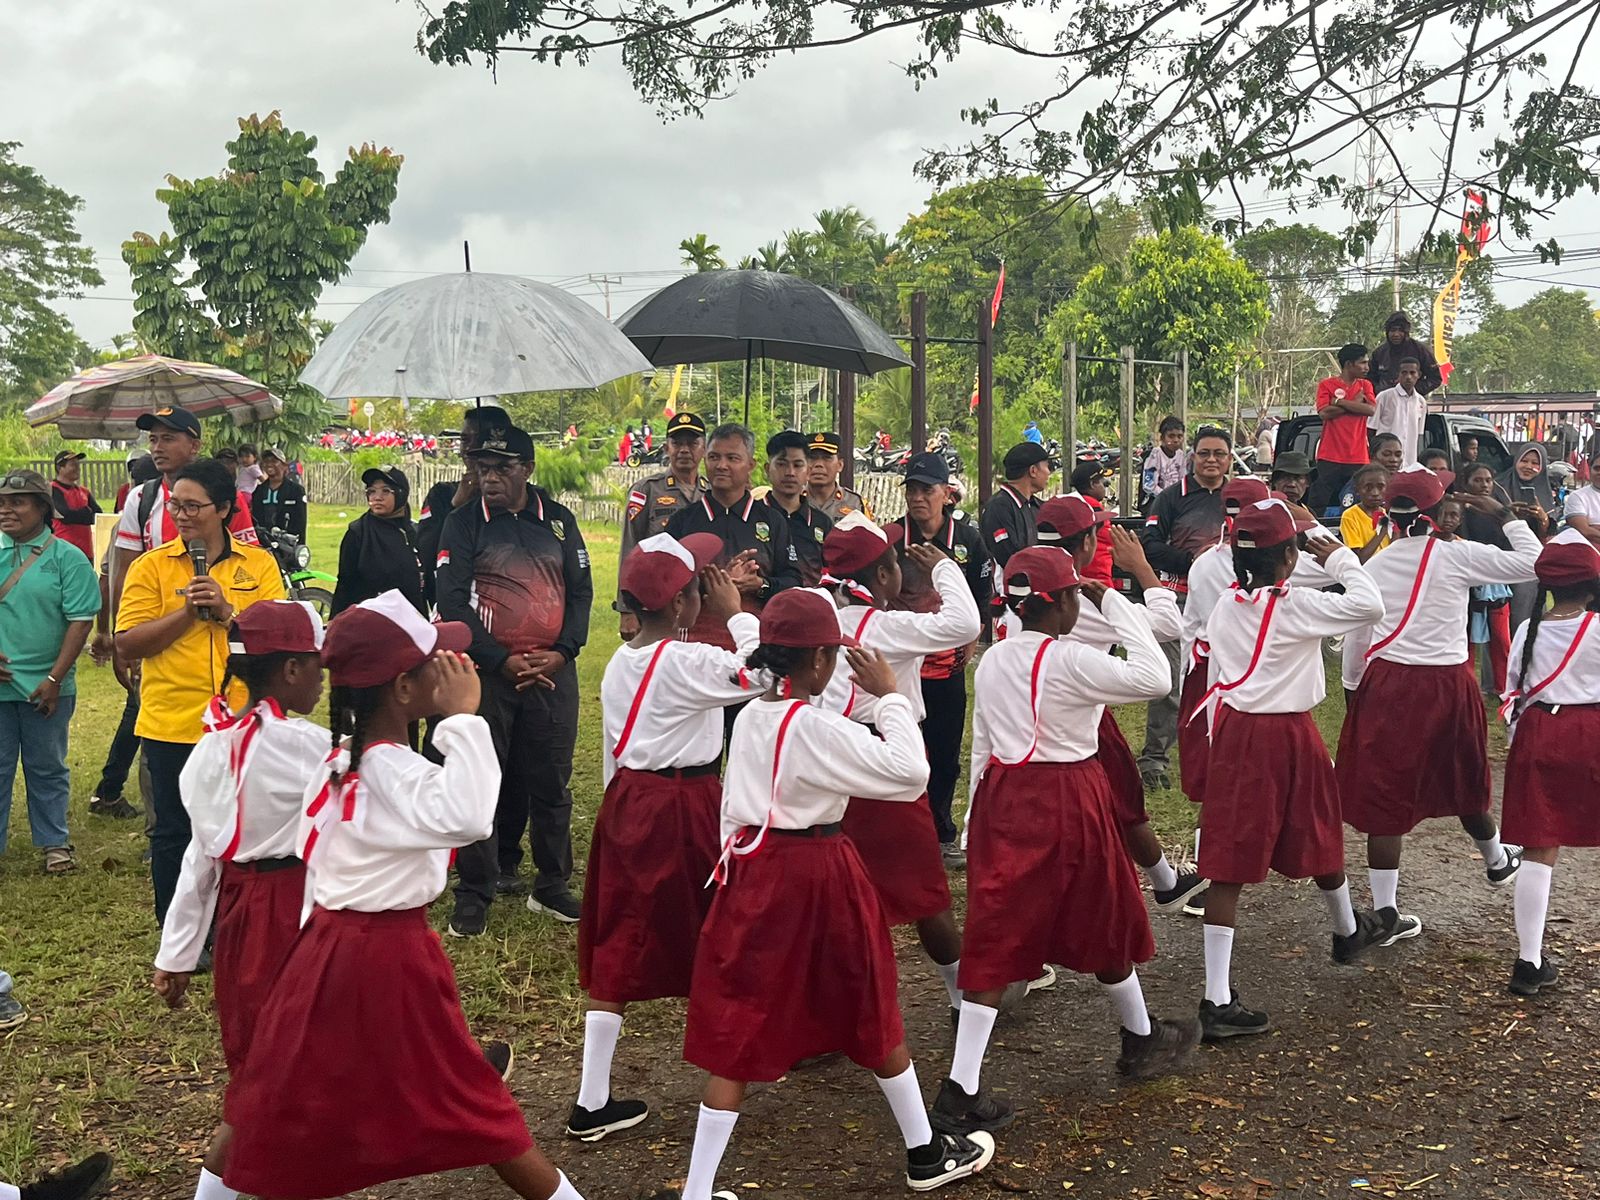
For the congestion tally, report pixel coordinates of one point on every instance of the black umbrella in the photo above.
(732, 316)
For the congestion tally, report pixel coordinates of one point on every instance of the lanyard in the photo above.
(1209, 701)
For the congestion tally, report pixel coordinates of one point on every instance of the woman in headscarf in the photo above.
(1526, 482)
(379, 550)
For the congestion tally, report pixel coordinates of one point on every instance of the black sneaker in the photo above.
(955, 858)
(1230, 1020)
(1527, 979)
(1502, 875)
(71, 1183)
(117, 808)
(954, 1111)
(469, 920)
(955, 1019)
(947, 1158)
(1155, 780)
(1176, 897)
(510, 884)
(563, 906)
(500, 1056)
(1397, 926)
(1159, 1052)
(1370, 931)
(1195, 905)
(590, 1125)
(12, 1013)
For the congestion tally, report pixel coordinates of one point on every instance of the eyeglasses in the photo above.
(499, 466)
(379, 489)
(188, 508)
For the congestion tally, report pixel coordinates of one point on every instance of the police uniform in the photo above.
(656, 499)
(844, 500)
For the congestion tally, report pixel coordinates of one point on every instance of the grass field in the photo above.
(101, 1064)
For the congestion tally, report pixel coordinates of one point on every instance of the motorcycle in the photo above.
(940, 444)
(874, 460)
(299, 581)
(653, 457)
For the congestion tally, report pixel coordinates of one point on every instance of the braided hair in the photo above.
(255, 671)
(349, 709)
(781, 661)
(1589, 589)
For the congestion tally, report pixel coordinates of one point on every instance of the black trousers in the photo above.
(534, 733)
(124, 749)
(169, 836)
(942, 729)
(1329, 482)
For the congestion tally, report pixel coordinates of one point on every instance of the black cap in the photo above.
(180, 419)
(507, 443)
(825, 442)
(1022, 456)
(928, 468)
(686, 422)
(787, 439)
(390, 474)
(68, 456)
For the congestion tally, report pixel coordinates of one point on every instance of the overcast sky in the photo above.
(555, 174)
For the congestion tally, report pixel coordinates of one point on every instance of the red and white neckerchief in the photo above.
(1033, 702)
(733, 846)
(711, 514)
(1411, 604)
(1213, 695)
(638, 701)
(851, 587)
(220, 718)
(337, 802)
(1508, 710)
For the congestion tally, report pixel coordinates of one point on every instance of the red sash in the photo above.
(638, 701)
(1411, 604)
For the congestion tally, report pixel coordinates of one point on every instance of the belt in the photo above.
(710, 768)
(810, 831)
(263, 866)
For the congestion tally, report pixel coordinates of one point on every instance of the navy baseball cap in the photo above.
(928, 468)
(180, 419)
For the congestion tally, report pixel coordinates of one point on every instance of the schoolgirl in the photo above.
(898, 843)
(1437, 763)
(1048, 879)
(1552, 791)
(655, 838)
(243, 789)
(361, 1069)
(795, 958)
(1276, 807)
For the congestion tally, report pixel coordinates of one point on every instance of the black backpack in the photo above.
(149, 494)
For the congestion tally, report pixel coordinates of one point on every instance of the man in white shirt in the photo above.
(1401, 411)
(1583, 511)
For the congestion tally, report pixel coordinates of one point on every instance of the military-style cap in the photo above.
(686, 422)
(825, 442)
(507, 443)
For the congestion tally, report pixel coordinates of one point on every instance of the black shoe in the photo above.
(1155, 779)
(116, 808)
(1370, 931)
(1502, 875)
(1397, 926)
(1527, 979)
(563, 906)
(955, 1019)
(947, 1158)
(1176, 897)
(1230, 1020)
(204, 963)
(13, 1014)
(1159, 1052)
(1195, 905)
(510, 884)
(71, 1183)
(955, 858)
(954, 1111)
(469, 920)
(500, 1056)
(590, 1125)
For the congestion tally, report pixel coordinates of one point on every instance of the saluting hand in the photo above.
(456, 690)
(1127, 553)
(721, 601)
(925, 555)
(870, 671)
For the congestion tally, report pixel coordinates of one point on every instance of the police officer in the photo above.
(1010, 521)
(787, 471)
(823, 487)
(656, 499)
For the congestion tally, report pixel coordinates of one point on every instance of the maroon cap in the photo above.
(660, 567)
(1567, 559)
(1067, 516)
(379, 640)
(802, 617)
(1236, 493)
(1266, 523)
(276, 627)
(856, 545)
(1417, 487)
(1040, 571)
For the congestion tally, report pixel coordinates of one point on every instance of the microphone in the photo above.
(197, 553)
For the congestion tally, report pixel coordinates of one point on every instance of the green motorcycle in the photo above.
(299, 581)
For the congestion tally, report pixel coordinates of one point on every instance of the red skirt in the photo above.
(1277, 804)
(1194, 746)
(362, 1069)
(795, 961)
(1122, 773)
(1048, 879)
(644, 892)
(899, 847)
(1415, 745)
(1552, 793)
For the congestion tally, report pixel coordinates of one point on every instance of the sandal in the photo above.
(58, 860)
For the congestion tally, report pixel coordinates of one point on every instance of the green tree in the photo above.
(1549, 343)
(42, 260)
(237, 280)
(701, 253)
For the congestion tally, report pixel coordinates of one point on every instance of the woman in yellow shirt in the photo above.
(175, 622)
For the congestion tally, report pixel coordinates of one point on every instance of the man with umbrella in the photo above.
(444, 498)
(787, 472)
(656, 499)
(824, 489)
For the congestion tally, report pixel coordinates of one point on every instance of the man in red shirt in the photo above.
(1345, 401)
(73, 503)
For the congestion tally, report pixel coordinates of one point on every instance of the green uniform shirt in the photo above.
(59, 588)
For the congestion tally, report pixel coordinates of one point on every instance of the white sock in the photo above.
(972, 1040)
(1385, 887)
(1127, 998)
(711, 1134)
(1531, 902)
(1338, 902)
(1197, 845)
(905, 1101)
(1494, 854)
(10, 1191)
(564, 1189)
(600, 1033)
(948, 972)
(1161, 875)
(211, 1187)
(1219, 959)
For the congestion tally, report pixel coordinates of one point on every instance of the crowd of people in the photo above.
(401, 441)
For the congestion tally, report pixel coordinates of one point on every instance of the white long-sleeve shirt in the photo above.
(1056, 716)
(255, 815)
(409, 814)
(679, 721)
(1579, 680)
(1435, 635)
(823, 760)
(1211, 575)
(1159, 608)
(906, 638)
(1287, 677)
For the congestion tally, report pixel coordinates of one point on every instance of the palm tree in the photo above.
(701, 253)
(771, 258)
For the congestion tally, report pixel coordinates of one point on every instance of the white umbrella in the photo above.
(105, 401)
(455, 337)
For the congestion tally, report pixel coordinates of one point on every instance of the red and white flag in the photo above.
(994, 318)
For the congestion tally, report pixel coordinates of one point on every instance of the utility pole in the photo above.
(1397, 248)
(604, 282)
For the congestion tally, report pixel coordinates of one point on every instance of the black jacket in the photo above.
(1383, 365)
(279, 508)
(1009, 523)
(430, 528)
(377, 554)
(961, 542)
(808, 525)
(1185, 520)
